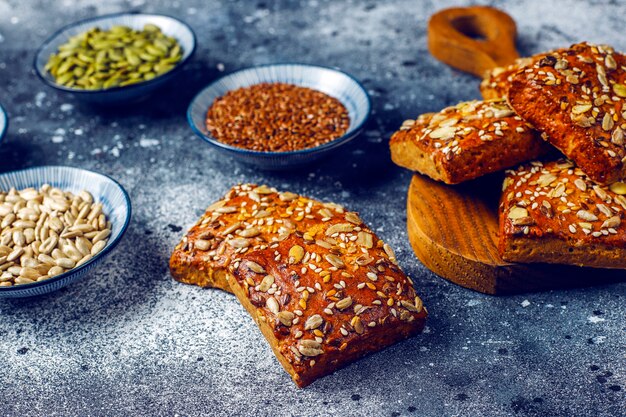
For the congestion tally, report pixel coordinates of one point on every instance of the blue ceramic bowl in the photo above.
(331, 81)
(116, 206)
(169, 25)
(4, 123)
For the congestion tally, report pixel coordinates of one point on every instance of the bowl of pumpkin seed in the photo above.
(56, 224)
(115, 58)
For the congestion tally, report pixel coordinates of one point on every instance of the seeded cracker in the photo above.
(323, 288)
(576, 96)
(466, 141)
(554, 213)
(497, 81)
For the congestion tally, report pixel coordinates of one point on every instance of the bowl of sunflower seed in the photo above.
(115, 58)
(56, 224)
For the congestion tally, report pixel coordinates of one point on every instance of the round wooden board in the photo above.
(454, 232)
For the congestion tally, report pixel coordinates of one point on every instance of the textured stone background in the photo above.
(129, 340)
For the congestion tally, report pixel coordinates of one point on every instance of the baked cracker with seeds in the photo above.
(497, 81)
(554, 213)
(466, 141)
(323, 288)
(576, 97)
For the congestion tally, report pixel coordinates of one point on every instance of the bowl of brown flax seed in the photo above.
(280, 116)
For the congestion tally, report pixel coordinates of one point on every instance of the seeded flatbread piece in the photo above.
(466, 141)
(554, 213)
(576, 96)
(323, 288)
(497, 81)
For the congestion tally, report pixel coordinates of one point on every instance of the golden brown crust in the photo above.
(321, 285)
(576, 97)
(205, 255)
(554, 213)
(465, 141)
(244, 219)
(496, 82)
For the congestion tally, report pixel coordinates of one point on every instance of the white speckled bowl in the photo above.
(169, 25)
(4, 123)
(333, 82)
(116, 206)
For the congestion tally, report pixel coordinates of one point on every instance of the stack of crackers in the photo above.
(561, 115)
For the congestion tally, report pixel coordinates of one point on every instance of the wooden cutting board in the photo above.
(454, 232)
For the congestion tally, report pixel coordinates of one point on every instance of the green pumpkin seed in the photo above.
(147, 57)
(63, 79)
(151, 28)
(131, 58)
(145, 68)
(118, 29)
(152, 50)
(162, 69)
(85, 58)
(65, 67)
(619, 90)
(111, 82)
(175, 51)
(115, 55)
(162, 44)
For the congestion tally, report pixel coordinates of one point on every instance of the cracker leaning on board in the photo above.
(326, 290)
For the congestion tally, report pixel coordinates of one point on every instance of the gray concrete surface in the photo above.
(129, 340)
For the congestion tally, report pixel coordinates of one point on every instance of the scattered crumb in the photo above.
(39, 98)
(525, 303)
(66, 107)
(147, 143)
(595, 319)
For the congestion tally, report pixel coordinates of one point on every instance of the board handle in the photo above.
(473, 39)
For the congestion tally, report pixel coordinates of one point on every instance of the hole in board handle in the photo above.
(470, 27)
